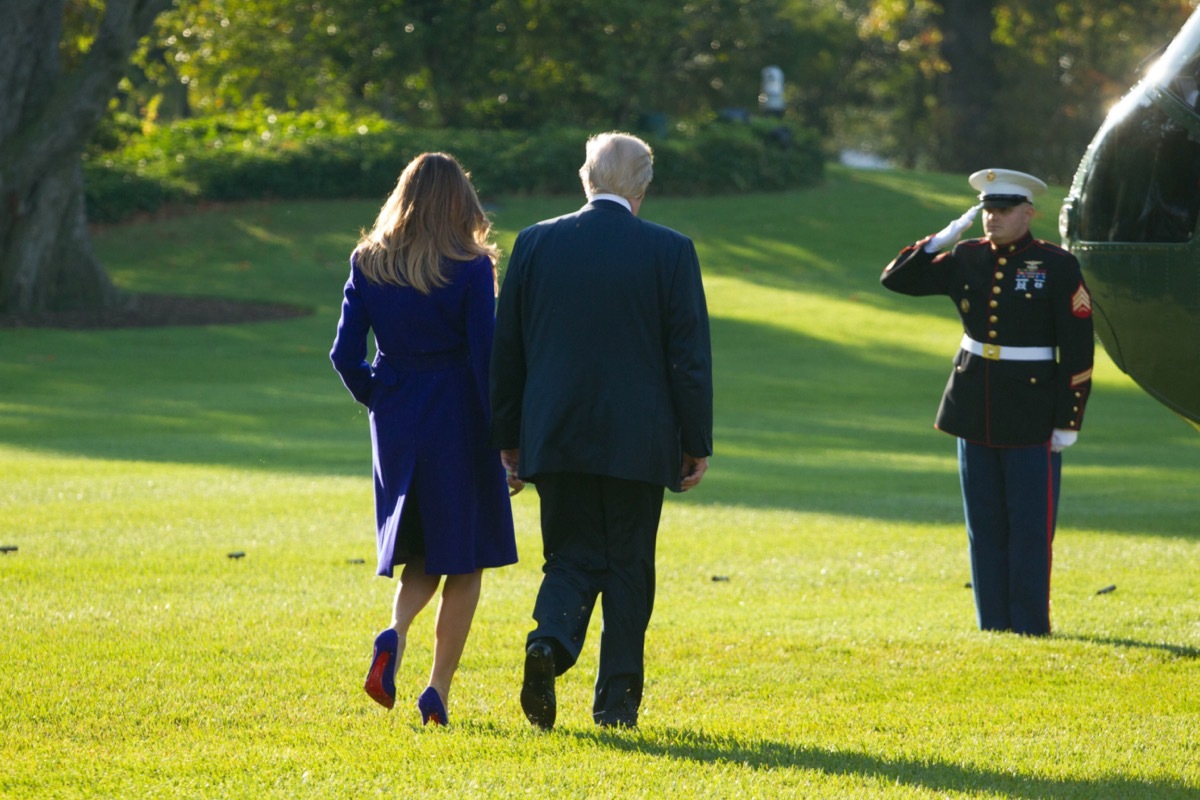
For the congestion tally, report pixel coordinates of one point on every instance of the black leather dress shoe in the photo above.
(537, 692)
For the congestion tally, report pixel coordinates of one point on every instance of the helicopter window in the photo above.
(1144, 184)
(1186, 84)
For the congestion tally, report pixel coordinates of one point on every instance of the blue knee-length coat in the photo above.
(427, 392)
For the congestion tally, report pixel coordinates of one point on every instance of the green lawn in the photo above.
(837, 657)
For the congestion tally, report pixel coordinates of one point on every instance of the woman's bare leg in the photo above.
(460, 596)
(415, 591)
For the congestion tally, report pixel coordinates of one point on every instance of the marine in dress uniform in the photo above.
(1017, 394)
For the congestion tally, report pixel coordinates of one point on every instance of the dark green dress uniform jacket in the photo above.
(601, 361)
(1029, 293)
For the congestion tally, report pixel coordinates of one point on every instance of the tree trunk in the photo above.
(965, 127)
(50, 253)
(47, 116)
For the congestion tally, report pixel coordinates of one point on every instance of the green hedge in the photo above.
(250, 157)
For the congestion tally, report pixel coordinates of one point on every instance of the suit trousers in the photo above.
(599, 535)
(1010, 496)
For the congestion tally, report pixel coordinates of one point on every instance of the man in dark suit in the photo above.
(601, 397)
(1017, 394)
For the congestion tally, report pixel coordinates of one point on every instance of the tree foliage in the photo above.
(1040, 86)
(940, 83)
(511, 63)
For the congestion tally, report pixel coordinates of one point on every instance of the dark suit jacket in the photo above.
(1028, 293)
(601, 361)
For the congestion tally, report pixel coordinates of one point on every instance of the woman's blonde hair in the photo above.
(432, 215)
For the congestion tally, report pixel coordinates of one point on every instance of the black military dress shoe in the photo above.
(537, 692)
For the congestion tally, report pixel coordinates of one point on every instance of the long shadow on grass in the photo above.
(802, 424)
(924, 774)
(1177, 650)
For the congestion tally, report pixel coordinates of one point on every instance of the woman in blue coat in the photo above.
(424, 281)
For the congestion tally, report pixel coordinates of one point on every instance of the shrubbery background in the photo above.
(307, 155)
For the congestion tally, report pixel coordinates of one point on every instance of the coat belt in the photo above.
(997, 352)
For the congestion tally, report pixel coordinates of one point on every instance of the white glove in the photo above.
(1062, 439)
(950, 233)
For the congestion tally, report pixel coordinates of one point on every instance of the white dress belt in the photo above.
(996, 352)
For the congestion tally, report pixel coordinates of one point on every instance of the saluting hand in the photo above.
(951, 233)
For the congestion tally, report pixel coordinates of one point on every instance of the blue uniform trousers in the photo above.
(1010, 496)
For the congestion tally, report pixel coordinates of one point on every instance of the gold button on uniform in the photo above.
(993, 319)
(999, 276)
(993, 303)
(995, 290)
(1033, 380)
(992, 334)
(1002, 261)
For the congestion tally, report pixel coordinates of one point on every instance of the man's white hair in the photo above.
(617, 163)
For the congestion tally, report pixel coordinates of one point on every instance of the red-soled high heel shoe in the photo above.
(381, 678)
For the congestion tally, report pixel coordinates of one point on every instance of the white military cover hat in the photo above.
(1004, 188)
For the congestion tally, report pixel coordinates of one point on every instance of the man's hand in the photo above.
(951, 233)
(692, 471)
(511, 459)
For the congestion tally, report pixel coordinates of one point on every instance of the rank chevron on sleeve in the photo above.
(1081, 303)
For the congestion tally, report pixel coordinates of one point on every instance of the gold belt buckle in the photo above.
(991, 352)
